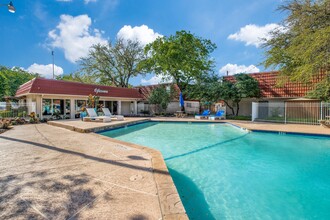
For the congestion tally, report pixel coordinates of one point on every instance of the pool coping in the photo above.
(288, 132)
(97, 129)
(174, 120)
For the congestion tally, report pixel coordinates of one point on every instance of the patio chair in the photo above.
(92, 116)
(107, 113)
(219, 115)
(205, 115)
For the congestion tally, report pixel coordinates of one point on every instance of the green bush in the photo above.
(6, 114)
(239, 117)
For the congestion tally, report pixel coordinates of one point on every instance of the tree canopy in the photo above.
(183, 58)
(112, 64)
(213, 89)
(301, 49)
(244, 86)
(11, 79)
(77, 77)
(161, 97)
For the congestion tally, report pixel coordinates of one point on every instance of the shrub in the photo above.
(33, 118)
(5, 124)
(18, 121)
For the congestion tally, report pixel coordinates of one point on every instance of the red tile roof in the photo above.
(269, 89)
(59, 87)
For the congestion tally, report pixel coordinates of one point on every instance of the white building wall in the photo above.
(192, 107)
(125, 108)
(141, 107)
(173, 107)
(245, 107)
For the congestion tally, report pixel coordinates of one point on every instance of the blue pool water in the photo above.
(222, 172)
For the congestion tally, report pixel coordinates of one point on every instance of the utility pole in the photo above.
(53, 64)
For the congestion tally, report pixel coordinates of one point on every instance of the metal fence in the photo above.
(13, 109)
(306, 112)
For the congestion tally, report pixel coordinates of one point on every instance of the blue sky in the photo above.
(70, 27)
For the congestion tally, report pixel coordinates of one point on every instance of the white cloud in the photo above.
(155, 80)
(45, 70)
(74, 36)
(142, 33)
(253, 34)
(88, 1)
(234, 68)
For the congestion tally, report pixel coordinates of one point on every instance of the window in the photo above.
(46, 107)
(67, 107)
(58, 106)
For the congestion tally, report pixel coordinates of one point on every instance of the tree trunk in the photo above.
(230, 107)
(237, 110)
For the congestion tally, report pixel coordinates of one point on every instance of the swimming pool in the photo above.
(222, 172)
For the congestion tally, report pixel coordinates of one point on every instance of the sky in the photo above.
(70, 27)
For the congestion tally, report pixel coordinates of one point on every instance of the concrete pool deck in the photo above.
(55, 172)
(48, 172)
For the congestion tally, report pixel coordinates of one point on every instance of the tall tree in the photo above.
(213, 89)
(161, 97)
(301, 49)
(77, 77)
(4, 88)
(205, 90)
(11, 79)
(113, 64)
(183, 58)
(244, 86)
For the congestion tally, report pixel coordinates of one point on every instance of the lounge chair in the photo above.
(205, 114)
(107, 113)
(92, 116)
(219, 115)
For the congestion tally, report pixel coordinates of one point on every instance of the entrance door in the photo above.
(112, 106)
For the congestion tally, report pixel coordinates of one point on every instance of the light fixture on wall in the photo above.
(10, 7)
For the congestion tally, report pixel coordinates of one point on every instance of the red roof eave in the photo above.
(60, 87)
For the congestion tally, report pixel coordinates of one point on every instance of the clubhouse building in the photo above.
(46, 96)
